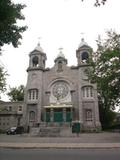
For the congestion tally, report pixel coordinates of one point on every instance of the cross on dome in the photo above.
(83, 43)
(39, 48)
(61, 53)
(60, 49)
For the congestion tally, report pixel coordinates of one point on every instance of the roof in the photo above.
(39, 48)
(61, 55)
(83, 43)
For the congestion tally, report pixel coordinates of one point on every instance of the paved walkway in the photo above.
(89, 140)
(60, 145)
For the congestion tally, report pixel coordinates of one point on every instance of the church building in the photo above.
(62, 94)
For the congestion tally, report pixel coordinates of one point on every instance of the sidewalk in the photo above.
(84, 141)
(60, 145)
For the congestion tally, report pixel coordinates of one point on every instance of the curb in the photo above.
(59, 145)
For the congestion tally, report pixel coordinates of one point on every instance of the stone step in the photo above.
(34, 131)
(51, 131)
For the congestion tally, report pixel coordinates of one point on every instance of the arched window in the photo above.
(84, 56)
(33, 94)
(59, 66)
(35, 61)
(31, 116)
(87, 92)
(88, 114)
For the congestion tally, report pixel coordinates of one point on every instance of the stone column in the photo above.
(71, 110)
(51, 115)
(64, 114)
(44, 116)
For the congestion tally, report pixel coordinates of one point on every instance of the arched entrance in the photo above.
(32, 118)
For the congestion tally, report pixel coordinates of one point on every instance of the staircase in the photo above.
(51, 131)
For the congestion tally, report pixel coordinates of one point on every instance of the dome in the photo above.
(83, 43)
(39, 48)
(60, 54)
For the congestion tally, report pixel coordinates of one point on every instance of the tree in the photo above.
(16, 93)
(3, 75)
(106, 73)
(10, 32)
(98, 2)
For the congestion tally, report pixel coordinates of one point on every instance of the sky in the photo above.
(55, 24)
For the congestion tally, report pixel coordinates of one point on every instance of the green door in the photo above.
(58, 115)
(68, 117)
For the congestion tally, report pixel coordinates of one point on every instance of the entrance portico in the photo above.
(58, 113)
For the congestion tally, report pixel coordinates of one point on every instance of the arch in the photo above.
(84, 56)
(32, 116)
(60, 66)
(89, 114)
(35, 61)
(64, 79)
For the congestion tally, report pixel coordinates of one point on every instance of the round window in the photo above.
(60, 90)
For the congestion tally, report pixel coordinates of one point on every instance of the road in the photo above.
(59, 154)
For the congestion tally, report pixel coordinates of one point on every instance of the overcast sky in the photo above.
(59, 23)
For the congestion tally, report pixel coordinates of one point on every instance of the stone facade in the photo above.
(61, 94)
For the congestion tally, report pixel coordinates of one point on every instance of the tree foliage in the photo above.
(10, 32)
(16, 93)
(98, 2)
(106, 71)
(107, 68)
(3, 75)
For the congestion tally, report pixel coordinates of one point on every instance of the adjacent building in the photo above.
(11, 114)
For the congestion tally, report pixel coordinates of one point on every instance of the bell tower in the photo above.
(37, 59)
(83, 53)
(34, 86)
(60, 61)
